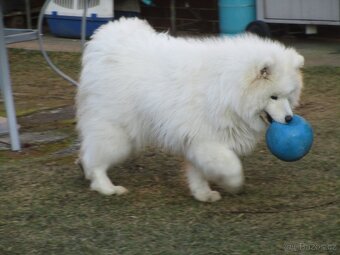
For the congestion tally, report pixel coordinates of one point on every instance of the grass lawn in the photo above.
(46, 206)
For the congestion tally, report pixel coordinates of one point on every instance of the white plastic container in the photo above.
(64, 16)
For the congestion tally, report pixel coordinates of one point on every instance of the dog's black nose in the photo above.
(288, 118)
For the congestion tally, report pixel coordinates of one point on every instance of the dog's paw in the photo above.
(210, 196)
(108, 189)
(120, 190)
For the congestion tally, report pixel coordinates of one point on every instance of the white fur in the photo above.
(199, 98)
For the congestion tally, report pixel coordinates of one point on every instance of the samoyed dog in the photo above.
(206, 99)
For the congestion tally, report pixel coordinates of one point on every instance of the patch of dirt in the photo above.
(47, 116)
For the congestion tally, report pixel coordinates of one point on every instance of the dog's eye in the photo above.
(274, 97)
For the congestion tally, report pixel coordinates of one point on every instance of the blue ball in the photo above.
(291, 141)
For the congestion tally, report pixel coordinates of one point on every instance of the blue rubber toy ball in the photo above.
(291, 141)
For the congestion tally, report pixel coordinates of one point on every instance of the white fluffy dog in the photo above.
(203, 99)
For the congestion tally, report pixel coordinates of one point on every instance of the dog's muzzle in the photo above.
(265, 116)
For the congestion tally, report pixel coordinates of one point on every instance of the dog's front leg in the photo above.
(199, 186)
(218, 164)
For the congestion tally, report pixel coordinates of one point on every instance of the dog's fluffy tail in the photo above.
(117, 36)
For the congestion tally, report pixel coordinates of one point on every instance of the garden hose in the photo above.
(41, 41)
(83, 37)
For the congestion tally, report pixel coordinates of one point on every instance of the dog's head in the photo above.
(272, 84)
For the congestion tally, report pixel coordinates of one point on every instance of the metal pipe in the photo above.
(83, 25)
(6, 90)
(42, 49)
(28, 14)
(173, 17)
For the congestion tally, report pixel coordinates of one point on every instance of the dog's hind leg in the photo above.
(102, 147)
(199, 186)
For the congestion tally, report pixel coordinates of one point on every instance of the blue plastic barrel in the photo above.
(235, 15)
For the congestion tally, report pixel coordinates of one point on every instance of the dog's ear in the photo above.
(265, 69)
(264, 72)
(298, 61)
